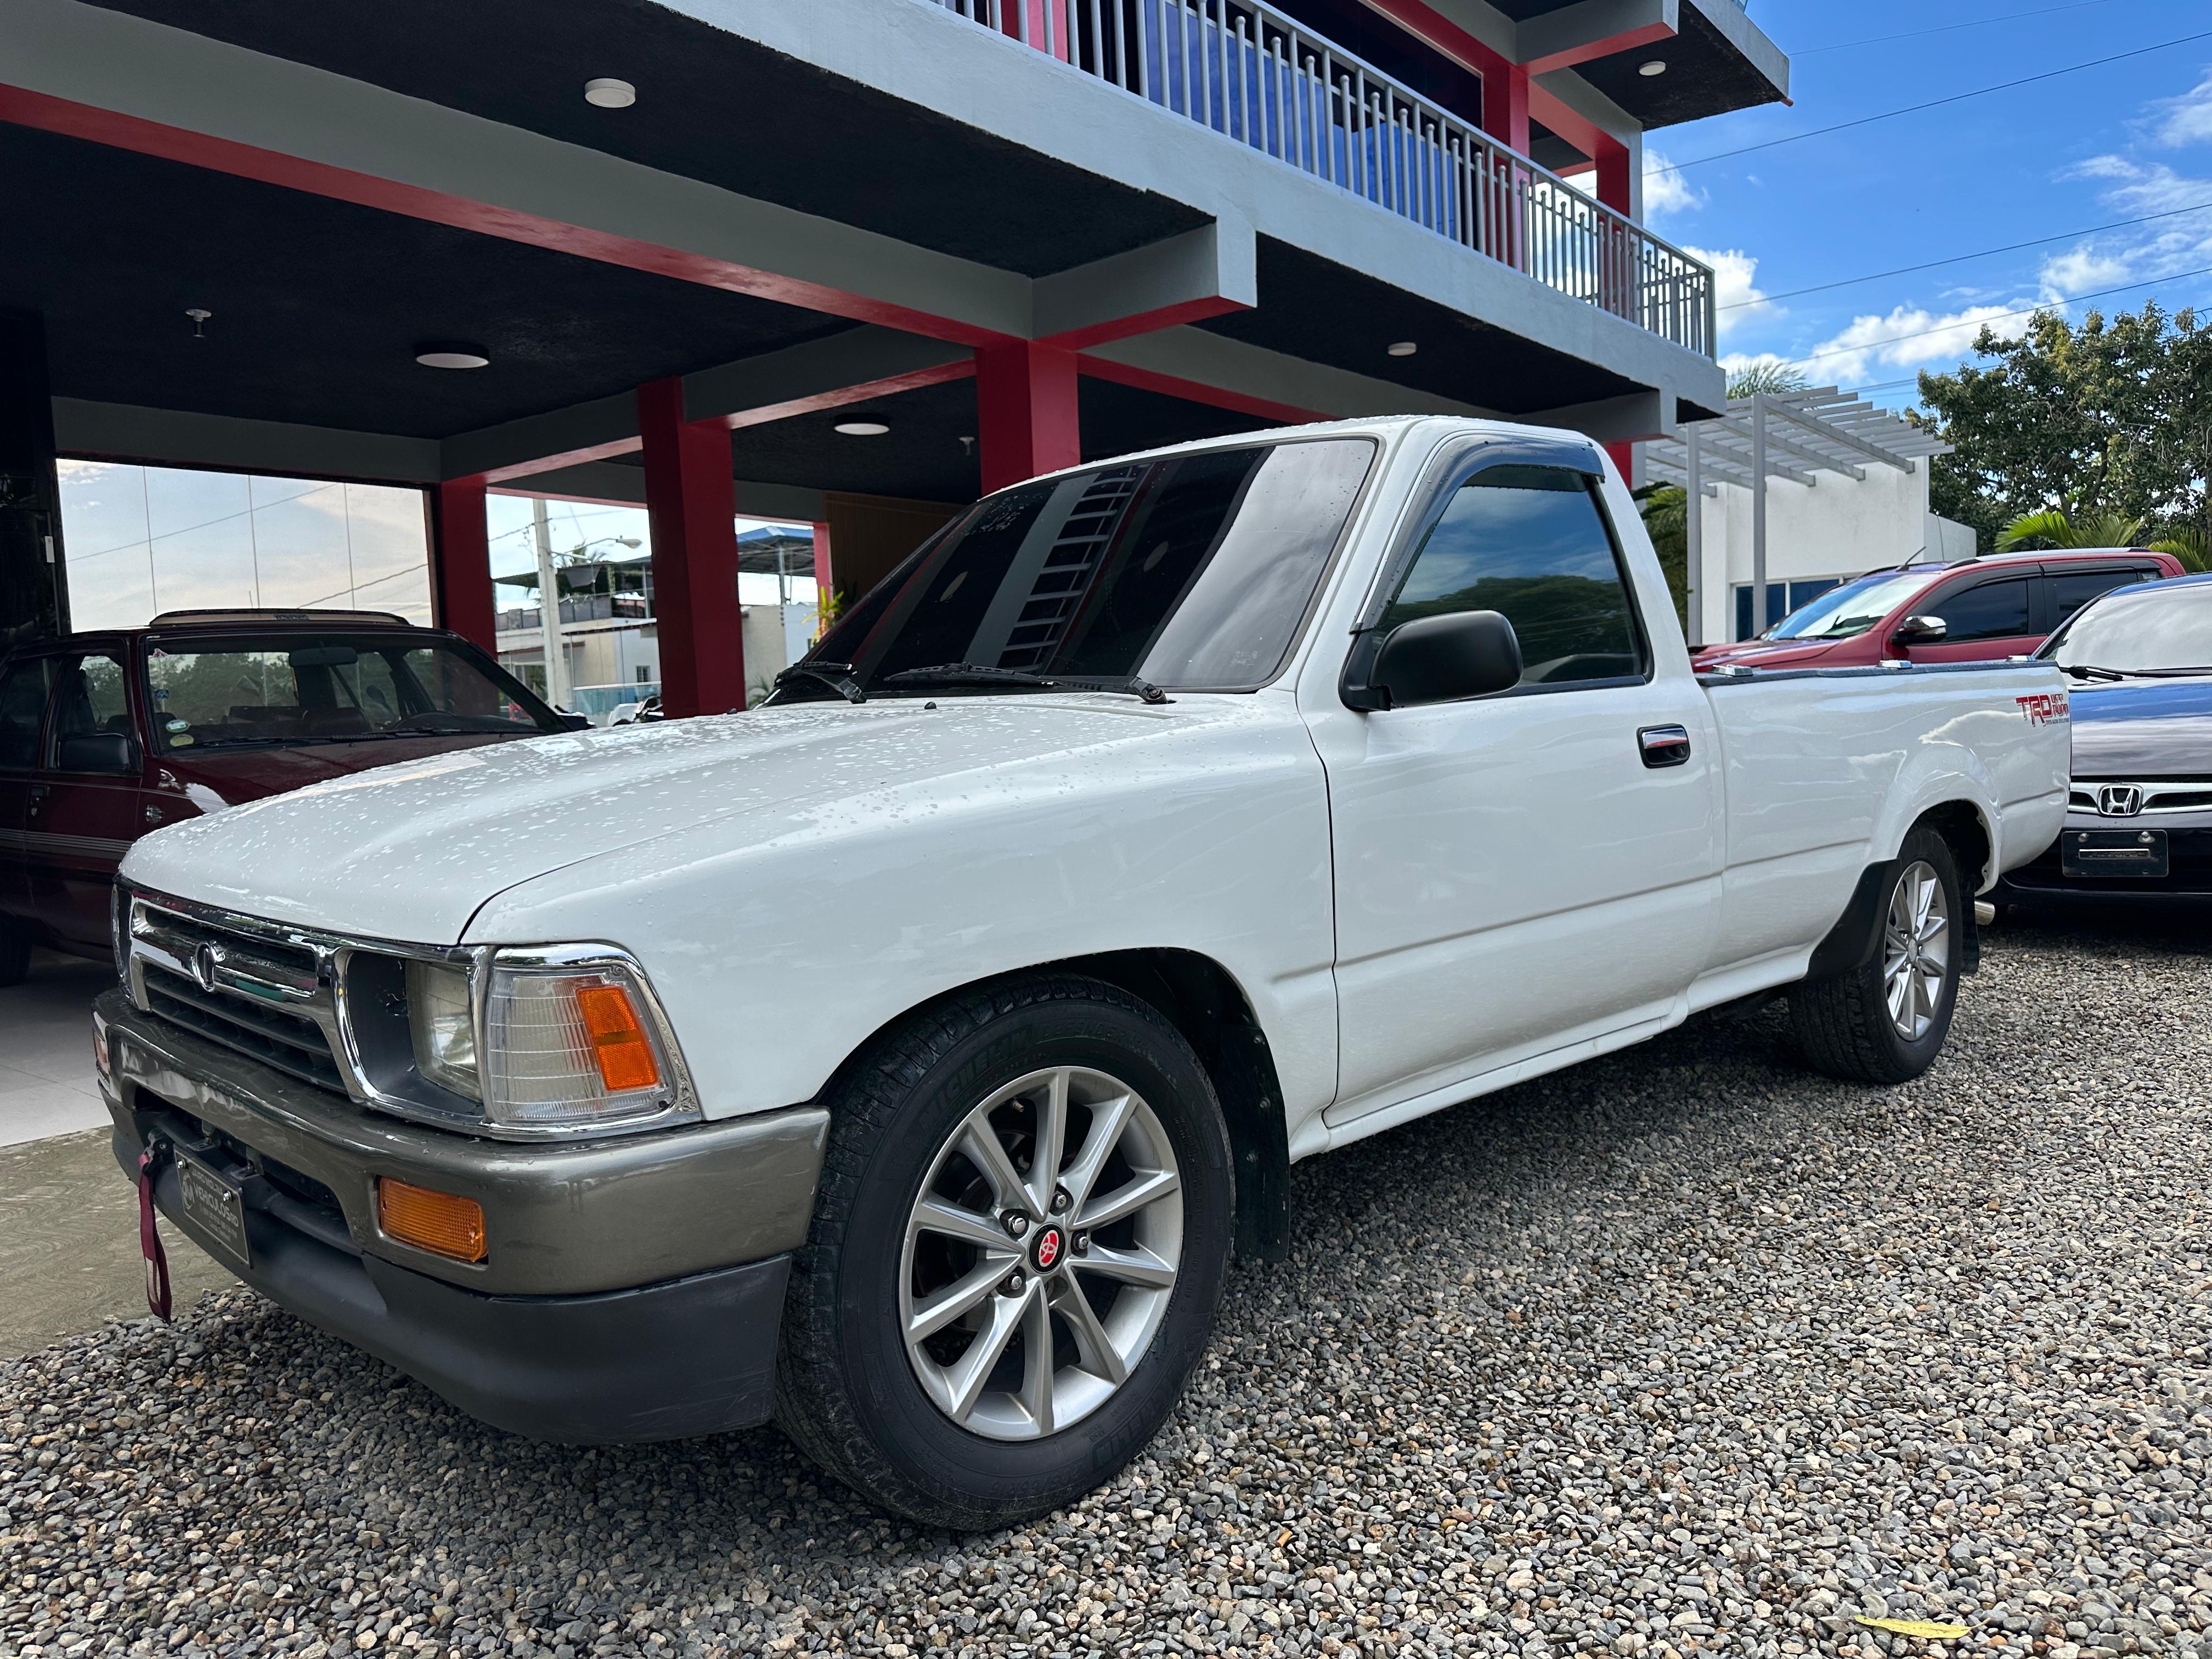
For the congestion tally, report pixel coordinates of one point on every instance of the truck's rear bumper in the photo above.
(689, 1354)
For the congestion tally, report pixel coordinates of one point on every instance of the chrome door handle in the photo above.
(1664, 745)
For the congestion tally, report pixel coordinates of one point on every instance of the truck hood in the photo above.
(411, 852)
(2143, 728)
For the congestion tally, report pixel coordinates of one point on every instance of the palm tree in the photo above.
(2192, 547)
(1766, 377)
(2059, 526)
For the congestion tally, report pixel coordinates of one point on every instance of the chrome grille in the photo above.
(266, 995)
(2156, 794)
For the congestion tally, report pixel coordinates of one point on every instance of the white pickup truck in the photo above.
(903, 1060)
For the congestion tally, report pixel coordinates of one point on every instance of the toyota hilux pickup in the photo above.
(903, 1059)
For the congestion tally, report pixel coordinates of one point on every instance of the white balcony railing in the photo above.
(1248, 71)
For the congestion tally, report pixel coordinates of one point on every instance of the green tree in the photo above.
(2112, 418)
(1666, 515)
(2054, 527)
(1767, 377)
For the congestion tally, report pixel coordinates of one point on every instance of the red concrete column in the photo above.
(1623, 457)
(821, 580)
(460, 560)
(1505, 106)
(1025, 411)
(1613, 178)
(691, 504)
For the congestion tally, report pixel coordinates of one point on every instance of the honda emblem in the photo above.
(2120, 800)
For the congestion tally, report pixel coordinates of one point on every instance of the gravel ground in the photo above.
(1680, 1352)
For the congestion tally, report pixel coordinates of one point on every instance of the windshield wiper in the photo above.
(964, 673)
(1134, 684)
(2089, 671)
(969, 673)
(837, 676)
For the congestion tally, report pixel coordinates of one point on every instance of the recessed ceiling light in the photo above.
(608, 93)
(862, 428)
(1405, 348)
(1653, 66)
(451, 353)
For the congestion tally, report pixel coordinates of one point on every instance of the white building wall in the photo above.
(1833, 529)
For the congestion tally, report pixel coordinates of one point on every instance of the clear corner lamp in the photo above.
(570, 1040)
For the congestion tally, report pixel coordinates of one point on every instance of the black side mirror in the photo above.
(1465, 653)
(108, 752)
(1920, 630)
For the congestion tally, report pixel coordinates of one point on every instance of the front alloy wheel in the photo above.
(1040, 1253)
(1019, 1240)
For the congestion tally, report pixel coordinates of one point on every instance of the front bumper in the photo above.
(2189, 874)
(632, 1288)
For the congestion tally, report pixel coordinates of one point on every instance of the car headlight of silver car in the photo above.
(548, 1039)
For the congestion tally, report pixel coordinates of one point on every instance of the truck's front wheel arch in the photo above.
(1204, 1002)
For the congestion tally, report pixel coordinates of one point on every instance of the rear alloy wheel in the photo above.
(1884, 1020)
(1023, 1227)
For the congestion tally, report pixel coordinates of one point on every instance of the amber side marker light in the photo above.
(444, 1223)
(618, 1041)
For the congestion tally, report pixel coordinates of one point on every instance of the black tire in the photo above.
(1844, 1021)
(15, 953)
(847, 1390)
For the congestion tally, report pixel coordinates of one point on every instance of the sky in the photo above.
(2055, 160)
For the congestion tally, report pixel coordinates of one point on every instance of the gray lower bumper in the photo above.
(632, 1289)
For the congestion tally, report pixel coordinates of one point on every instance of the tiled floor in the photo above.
(46, 1085)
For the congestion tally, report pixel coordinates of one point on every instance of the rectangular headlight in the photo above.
(573, 1044)
(442, 1021)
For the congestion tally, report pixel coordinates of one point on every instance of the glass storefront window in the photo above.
(141, 540)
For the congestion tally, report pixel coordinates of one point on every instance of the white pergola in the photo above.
(1796, 435)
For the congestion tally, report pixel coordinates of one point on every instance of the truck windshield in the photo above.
(1192, 571)
(1842, 613)
(297, 688)
(2150, 630)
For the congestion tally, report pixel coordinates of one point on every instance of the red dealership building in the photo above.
(843, 262)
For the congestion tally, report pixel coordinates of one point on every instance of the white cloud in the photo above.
(2186, 119)
(2082, 268)
(1666, 192)
(1908, 338)
(1733, 287)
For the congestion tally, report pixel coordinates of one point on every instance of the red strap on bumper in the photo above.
(150, 1240)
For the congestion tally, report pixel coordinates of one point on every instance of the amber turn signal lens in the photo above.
(619, 1039)
(444, 1224)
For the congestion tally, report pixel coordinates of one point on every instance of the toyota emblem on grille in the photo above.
(205, 961)
(2119, 800)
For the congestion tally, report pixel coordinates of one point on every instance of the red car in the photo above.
(104, 737)
(1976, 610)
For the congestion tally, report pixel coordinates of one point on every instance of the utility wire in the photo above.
(1935, 103)
(1947, 29)
(1999, 316)
(1960, 258)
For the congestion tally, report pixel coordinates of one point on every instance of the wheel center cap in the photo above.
(1048, 1247)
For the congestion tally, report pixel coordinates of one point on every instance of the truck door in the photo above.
(85, 809)
(23, 693)
(1535, 868)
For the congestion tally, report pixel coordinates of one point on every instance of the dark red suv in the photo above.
(1976, 610)
(104, 737)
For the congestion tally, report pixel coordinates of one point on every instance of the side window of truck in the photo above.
(2069, 592)
(1530, 542)
(1992, 610)
(23, 710)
